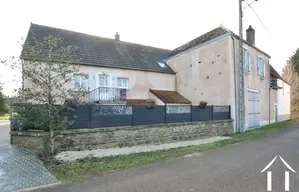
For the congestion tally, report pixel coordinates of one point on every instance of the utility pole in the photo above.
(241, 100)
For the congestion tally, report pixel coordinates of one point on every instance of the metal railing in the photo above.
(106, 94)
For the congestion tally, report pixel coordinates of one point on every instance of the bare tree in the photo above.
(47, 66)
(291, 76)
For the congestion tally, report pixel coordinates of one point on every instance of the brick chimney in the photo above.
(117, 36)
(250, 35)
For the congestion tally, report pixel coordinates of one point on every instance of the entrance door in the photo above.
(253, 109)
(104, 86)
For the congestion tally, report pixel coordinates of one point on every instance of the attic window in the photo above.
(161, 64)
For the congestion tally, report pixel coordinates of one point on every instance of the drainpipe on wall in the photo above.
(235, 85)
(270, 102)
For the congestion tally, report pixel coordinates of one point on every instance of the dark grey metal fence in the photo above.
(96, 116)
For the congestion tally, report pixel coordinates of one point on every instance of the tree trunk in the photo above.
(52, 144)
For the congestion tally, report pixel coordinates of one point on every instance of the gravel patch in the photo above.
(69, 156)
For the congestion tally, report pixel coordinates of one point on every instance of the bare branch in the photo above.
(47, 65)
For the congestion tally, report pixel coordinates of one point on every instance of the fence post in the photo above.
(229, 112)
(165, 121)
(90, 115)
(191, 113)
(132, 115)
(212, 115)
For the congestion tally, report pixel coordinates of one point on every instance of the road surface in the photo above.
(234, 168)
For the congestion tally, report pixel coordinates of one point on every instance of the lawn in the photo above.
(86, 167)
(4, 116)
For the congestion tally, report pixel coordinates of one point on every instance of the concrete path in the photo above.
(234, 168)
(4, 132)
(19, 168)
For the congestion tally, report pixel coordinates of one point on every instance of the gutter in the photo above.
(235, 85)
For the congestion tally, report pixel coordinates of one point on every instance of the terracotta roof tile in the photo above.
(275, 74)
(136, 101)
(170, 97)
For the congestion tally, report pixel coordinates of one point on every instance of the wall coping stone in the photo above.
(108, 129)
(30, 133)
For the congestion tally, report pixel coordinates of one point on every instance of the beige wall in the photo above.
(156, 99)
(139, 81)
(211, 79)
(273, 106)
(255, 82)
(284, 101)
(207, 73)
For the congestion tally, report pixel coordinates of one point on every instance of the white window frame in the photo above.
(81, 75)
(261, 73)
(103, 94)
(98, 80)
(122, 78)
(247, 60)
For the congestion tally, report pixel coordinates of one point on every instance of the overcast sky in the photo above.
(160, 23)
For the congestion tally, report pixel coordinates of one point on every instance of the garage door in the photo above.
(253, 109)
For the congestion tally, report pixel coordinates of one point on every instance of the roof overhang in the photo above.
(170, 97)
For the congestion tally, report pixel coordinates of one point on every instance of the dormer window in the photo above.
(162, 64)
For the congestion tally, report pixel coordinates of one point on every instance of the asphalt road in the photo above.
(234, 168)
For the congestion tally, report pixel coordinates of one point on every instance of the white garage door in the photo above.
(253, 109)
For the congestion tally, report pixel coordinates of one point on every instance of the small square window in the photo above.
(122, 82)
(81, 82)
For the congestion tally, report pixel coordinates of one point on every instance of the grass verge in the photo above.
(83, 168)
(4, 117)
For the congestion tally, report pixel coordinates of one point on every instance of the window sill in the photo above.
(246, 71)
(262, 77)
(80, 91)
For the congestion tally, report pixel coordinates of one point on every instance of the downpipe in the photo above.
(270, 102)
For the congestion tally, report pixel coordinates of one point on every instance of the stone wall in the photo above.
(33, 141)
(124, 136)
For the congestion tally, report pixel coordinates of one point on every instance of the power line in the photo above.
(249, 5)
(254, 1)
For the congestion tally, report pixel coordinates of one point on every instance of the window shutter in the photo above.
(244, 59)
(258, 66)
(264, 68)
(249, 62)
